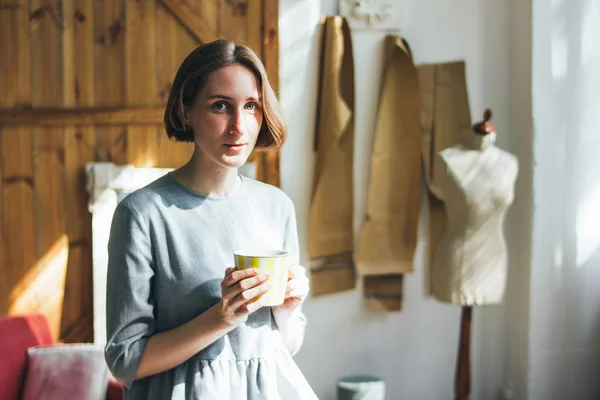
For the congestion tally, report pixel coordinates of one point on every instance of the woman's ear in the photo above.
(183, 116)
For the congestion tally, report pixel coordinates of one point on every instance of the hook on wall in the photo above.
(370, 15)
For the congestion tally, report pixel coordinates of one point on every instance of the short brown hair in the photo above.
(192, 75)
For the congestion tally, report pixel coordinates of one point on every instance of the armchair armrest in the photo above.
(115, 390)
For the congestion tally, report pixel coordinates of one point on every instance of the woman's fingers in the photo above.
(250, 296)
(296, 271)
(241, 291)
(298, 293)
(297, 283)
(297, 287)
(240, 281)
(245, 279)
(235, 275)
(252, 306)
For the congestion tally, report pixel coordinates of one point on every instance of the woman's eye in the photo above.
(219, 106)
(252, 106)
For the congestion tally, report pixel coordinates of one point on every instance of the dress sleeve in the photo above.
(129, 302)
(291, 245)
(290, 239)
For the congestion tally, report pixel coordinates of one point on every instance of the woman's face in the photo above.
(227, 115)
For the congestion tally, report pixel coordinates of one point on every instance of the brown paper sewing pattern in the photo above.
(388, 237)
(445, 121)
(330, 231)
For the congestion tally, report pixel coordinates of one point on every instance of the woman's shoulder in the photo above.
(145, 198)
(268, 193)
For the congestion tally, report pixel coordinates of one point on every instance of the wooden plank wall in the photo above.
(16, 200)
(80, 141)
(86, 53)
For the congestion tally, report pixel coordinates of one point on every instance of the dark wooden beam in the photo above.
(82, 116)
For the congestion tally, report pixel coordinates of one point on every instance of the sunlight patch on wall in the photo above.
(590, 32)
(42, 289)
(588, 221)
(301, 20)
(559, 52)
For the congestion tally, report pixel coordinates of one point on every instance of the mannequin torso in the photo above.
(477, 182)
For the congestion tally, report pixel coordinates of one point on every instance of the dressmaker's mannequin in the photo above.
(477, 182)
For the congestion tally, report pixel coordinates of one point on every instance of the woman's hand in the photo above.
(297, 289)
(241, 291)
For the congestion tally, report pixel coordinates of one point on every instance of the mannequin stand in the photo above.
(462, 383)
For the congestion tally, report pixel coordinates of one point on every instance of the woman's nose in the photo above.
(237, 126)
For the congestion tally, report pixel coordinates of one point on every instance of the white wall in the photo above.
(565, 269)
(414, 350)
(519, 221)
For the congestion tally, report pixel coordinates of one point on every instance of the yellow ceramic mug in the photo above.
(273, 262)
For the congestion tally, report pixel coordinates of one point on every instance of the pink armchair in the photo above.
(17, 335)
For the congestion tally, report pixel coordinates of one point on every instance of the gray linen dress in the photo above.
(168, 250)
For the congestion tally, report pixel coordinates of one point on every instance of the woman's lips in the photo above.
(235, 146)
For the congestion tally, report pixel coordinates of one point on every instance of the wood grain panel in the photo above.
(270, 161)
(173, 44)
(42, 288)
(233, 20)
(140, 78)
(270, 37)
(61, 116)
(16, 191)
(109, 76)
(208, 10)
(255, 41)
(4, 287)
(254, 26)
(48, 146)
(17, 202)
(168, 31)
(5, 87)
(78, 78)
(195, 24)
(186, 44)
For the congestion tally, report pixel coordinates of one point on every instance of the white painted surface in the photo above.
(565, 268)
(415, 350)
(518, 233)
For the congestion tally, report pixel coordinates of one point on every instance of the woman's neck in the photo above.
(481, 142)
(205, 176)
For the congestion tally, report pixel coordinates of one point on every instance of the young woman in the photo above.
(181, 321)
